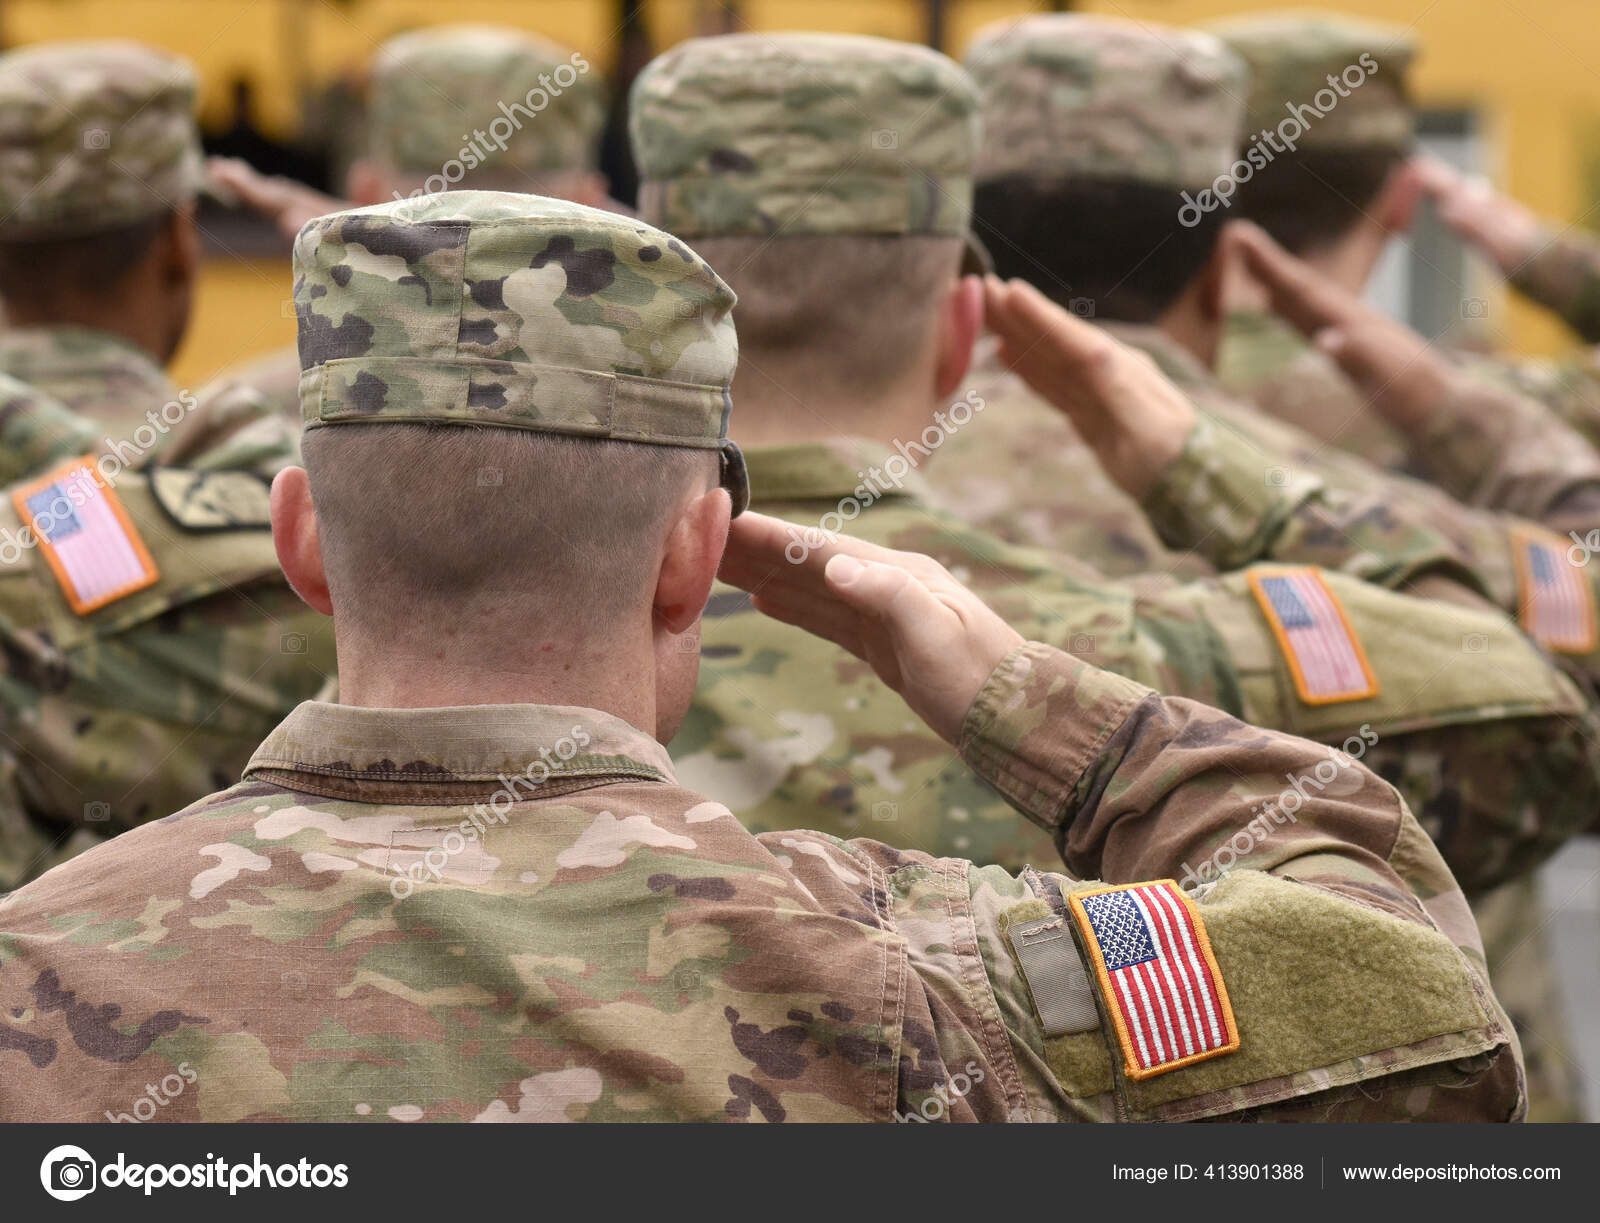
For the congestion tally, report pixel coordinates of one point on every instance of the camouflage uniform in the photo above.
(602, 943)
(1327, 506)
(432, 93)
(120, 711)
(786, 751)
(96, 135)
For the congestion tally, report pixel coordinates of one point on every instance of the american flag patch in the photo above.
(1556, 600)
(86, 536)
(1323, 652)
(1158, 975)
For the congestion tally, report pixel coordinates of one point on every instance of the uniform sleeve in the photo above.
(1241, 499)
(1351, 967)
(1564, 275)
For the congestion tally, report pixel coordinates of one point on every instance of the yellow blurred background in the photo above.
(1524, 71)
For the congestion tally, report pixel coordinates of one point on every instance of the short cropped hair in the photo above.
(1311, 198)
(1107, 247)
(99, 261)
(423, 526)
(849, 311)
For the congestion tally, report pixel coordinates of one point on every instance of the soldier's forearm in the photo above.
(1563, 274)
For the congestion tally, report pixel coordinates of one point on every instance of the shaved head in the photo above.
(476, 529)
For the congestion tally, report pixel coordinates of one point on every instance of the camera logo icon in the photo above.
(1474, 643)
(292, 643)
(885, 812)
(1474, 307)
(68, 1173)
(96, 138)
(1277, 477)
(885, 139)
(96, 812)
(490, 477)
(1082, 643)
(1083, 307)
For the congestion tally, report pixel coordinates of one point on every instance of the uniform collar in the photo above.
(835, 469)
(42, 355)
(450, 755)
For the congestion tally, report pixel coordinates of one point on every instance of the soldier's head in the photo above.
(829, 177)
(100, 167)
(515, 416)
(1093, 130)
(1329, 102)
(479, 107)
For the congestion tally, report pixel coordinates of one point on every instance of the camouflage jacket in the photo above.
(518, 913)
(127, 406)
(119, 713)
(792, 732)
(37, 432)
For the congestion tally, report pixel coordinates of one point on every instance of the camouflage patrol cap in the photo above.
(761, 134)
(487, 98)
(495, 308)
(1073, 95)
(1292, 55)
(94, 135)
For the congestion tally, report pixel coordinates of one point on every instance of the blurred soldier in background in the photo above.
(1159, 125)
(148, 637)
(450, 108)
(842, 227)
(596, 941)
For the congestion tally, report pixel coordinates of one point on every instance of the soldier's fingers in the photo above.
(820, 615)
(1297, 292)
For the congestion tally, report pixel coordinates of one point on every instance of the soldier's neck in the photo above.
(1349, 263)
(437, 670)
(772, 408)
(1193, 327)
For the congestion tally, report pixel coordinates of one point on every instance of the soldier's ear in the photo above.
(1396, 205)
(180, 266)
(294, 536)
(960, 321)
(689, 560)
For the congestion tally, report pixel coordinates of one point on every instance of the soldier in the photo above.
(1158, 127)
(99, 252)
(1558, 269)
(490, 875)
(450, 107)
(844, 226)
(1335, 199)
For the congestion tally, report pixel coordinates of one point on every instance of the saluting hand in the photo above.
(1124, 408)
(1495, 224)
(1393, 366)
(927, 636)
(284, 202)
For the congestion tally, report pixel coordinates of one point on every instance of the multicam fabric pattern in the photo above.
(1564, 275)
(791, 976)
(804, 134)
(792, 732)
(1291, 55)
(123, 404)
(94, 135)
(36, 431)
(1070, 94)
(512, 310)
(433, 90)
